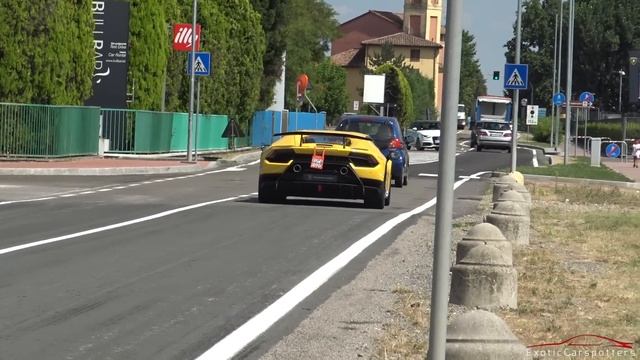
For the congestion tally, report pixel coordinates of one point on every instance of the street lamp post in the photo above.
(193, 83)
(621, 73)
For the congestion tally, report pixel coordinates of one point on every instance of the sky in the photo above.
(489, 21)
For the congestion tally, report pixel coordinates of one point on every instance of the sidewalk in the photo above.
(617, 165)
(95, 165)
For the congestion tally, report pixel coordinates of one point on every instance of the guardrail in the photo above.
(48, 131)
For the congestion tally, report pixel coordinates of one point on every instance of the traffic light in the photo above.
(496, 75)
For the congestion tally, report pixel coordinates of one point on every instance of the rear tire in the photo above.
(387, 200)
(509, 150)
(268, 194)
(398, 182)
(375, 199)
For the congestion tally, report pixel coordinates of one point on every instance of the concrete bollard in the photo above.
(512, 221)
(481, 335)
(522, 190)
(484, 278)
(500, 185)
(484, 233)
(516, 197)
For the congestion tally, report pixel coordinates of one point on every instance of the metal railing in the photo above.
(44, 131)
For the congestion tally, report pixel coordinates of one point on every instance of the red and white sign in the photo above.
(182, 35)
(317, 160)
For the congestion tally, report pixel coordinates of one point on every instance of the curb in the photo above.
(620, 184)
(149, 170)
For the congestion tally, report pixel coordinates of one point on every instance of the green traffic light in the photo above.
(496, 75)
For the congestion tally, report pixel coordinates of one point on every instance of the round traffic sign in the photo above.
(558, 99)
(613, 150)
(586, 97)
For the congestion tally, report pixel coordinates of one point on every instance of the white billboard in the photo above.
(373, 89)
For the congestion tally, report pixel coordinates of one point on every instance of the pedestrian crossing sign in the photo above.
(202, 64)
(516, 76)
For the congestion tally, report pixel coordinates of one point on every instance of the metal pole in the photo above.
(193, 82)
(557, 132)
(516, 94)
(446, 177)
(586, 119)
(569, 81)
(553, 86)
(621, 74)
(195, 142)
(575, 148)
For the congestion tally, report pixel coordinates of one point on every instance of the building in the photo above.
(417, 34)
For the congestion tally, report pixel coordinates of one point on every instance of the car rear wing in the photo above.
(341, 134)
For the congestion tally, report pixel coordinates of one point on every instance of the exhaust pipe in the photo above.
(344, 171)
(297, 168)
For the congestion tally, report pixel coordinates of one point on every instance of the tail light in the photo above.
(507, 134)
(363, 160)
(281, 156)
(396, 144)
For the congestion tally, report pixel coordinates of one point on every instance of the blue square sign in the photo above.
(202, 64)
(516, 76)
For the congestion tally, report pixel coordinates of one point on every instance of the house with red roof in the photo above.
(417, 34)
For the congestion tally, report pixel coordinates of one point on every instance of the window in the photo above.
(415, 22)
(415, 55)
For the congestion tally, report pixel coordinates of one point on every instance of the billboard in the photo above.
(182, 35)
(111, 52)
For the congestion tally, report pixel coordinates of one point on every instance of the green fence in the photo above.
(43, 131)
(148, 132)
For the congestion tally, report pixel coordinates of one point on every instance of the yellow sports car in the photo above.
(325, 164)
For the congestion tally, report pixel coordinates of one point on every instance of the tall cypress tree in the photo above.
(45, 51)
(149, 39)
(274, 25)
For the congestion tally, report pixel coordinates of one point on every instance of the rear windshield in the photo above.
(426, 125)
(325, 139)
(377, 130)
(494, 126)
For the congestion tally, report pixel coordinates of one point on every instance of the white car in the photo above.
(427, 135)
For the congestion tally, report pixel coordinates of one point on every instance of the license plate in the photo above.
(320, 177)
(436, 141)
(497, 135)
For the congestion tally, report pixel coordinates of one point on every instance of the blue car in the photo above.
(387, 135)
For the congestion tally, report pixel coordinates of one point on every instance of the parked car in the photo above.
(424, 134)
(387, 135)
(491, 134)
(325, 164)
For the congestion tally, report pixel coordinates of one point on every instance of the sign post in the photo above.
(532, 115)
(516, 78)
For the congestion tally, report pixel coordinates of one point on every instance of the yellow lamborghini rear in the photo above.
(325, 164)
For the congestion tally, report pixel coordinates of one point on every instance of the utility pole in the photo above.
(567, 123)
(516, 94)
(446, 177)
(555, 63)
(193, 82)
(557, 132)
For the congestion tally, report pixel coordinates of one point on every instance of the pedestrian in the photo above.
(636, 153)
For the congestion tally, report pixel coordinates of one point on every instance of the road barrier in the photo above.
(512, 220)
(47, 131)
(481, 335)
(483, 233)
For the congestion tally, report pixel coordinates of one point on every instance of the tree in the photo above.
(423, 94)
(273, 24)
(472, 82)
(603, 35)
(311, 25)
(46, 52)
(387, 55)
(397, 93)
(329, 89)
(149, 39)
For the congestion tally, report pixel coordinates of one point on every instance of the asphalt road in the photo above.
(164, 267)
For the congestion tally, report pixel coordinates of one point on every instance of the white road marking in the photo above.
(428, 175)
(535, 157)
(73, 193)
(233, 343)
(119, 225)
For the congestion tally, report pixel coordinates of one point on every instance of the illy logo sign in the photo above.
(182, 34)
